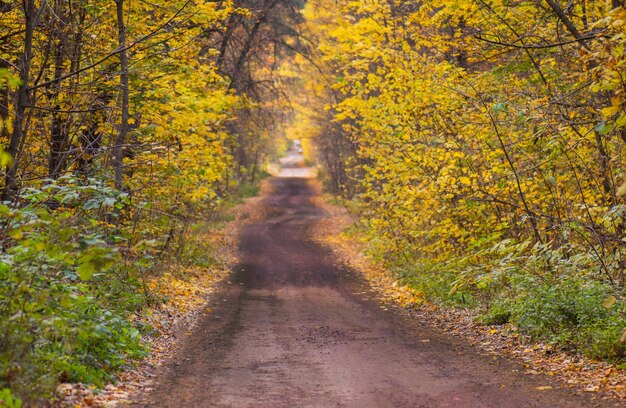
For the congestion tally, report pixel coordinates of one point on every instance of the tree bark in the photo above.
(31, 15)
(58, 133)
(120, 140)
(556, 7)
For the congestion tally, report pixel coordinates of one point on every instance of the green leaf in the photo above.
(499, 107)
(602, 128)
(85, 270)
(94, 259)
(621, 121)
(8, 400)
(94, 203)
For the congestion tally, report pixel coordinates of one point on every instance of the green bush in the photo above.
(74, 258)
(574, 313)
(581, 315)
(499, 313)
(7, 400)
(64, 299)
(553, 294)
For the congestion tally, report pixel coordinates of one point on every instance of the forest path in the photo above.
(295, 329)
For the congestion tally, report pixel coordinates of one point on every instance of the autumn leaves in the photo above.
(482, 143)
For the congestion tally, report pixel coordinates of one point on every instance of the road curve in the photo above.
(293, 328)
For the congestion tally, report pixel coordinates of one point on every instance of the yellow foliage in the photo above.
(455, 135)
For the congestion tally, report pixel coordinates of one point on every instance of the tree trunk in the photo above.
(120, 140)
(4, 106)
(31, 15)
(58, 133)
(556, 8)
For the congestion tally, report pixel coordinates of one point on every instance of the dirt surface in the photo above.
(292, 328)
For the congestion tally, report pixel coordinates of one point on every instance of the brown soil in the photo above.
(293, 329)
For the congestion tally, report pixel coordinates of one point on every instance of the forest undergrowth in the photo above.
(180, 294)
(84, 331)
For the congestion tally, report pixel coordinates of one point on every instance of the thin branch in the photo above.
(114, 52)
(536, 46)
(568, 23)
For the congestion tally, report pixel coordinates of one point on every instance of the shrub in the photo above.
(581, 315)
(64, 299)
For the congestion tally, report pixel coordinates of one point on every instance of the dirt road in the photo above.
(293, 329)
